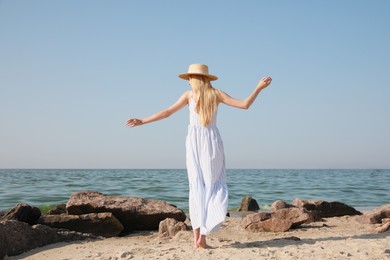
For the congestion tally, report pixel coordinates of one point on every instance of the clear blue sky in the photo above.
(72, 72)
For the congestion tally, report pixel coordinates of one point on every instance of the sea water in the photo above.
(363, 189)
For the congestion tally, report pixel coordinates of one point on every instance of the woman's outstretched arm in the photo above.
(180, 103)
(247, 102)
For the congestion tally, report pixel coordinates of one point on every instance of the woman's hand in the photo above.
(134, 122)
(264, 82)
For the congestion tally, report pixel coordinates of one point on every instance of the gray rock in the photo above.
(98, 224)
(248, 204)
(18, 237)
(133, 213)
(24, 213)
(170, 227)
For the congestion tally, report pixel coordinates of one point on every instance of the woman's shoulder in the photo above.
(220, 95)
(187, 95)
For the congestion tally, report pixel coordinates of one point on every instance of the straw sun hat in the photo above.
(198, 69)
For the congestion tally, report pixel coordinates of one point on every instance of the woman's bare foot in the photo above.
(202, 242)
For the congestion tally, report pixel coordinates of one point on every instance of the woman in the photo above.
(205, 159)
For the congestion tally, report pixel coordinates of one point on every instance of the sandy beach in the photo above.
(335, 238)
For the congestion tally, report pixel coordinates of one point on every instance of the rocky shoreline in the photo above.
(90, 215)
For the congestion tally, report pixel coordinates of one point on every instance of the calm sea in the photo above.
(363, 189)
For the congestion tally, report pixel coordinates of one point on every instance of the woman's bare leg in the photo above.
(196, 237)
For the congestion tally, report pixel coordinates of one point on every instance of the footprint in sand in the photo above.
(142, 251)
(126, 255)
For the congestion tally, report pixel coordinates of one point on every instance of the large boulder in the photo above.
(169, 227)
(324, 209)
(133, 213)
(98, 224)
(380, 217)
(18, 237)
(248, 204)
(279, 221)
(270, 225)
(254, 218)
(297, 216)
(24, 213)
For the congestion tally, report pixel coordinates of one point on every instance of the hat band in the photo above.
(198, 72)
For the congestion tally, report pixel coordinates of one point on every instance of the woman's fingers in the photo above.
(133, 122)
(267, 80)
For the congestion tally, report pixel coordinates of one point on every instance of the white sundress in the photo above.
(205, 159)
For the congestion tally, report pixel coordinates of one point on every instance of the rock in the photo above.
(18, 237)
(57, 210)
(323, 209)
(248, 204)
(297, 216)
(98, 224)
(379, 214)
(270, 225)
(376, 216)
(382, 228)
(187, 222)
(2, 213)
(280, 204)
(133, 213)
(169, 227)
(278, 221)
(24, 213)
(254, 218)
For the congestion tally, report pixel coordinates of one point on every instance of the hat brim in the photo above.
(186, 76)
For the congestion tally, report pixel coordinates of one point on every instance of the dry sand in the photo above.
(336, 238)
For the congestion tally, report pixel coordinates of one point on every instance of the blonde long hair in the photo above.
(207, 98)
